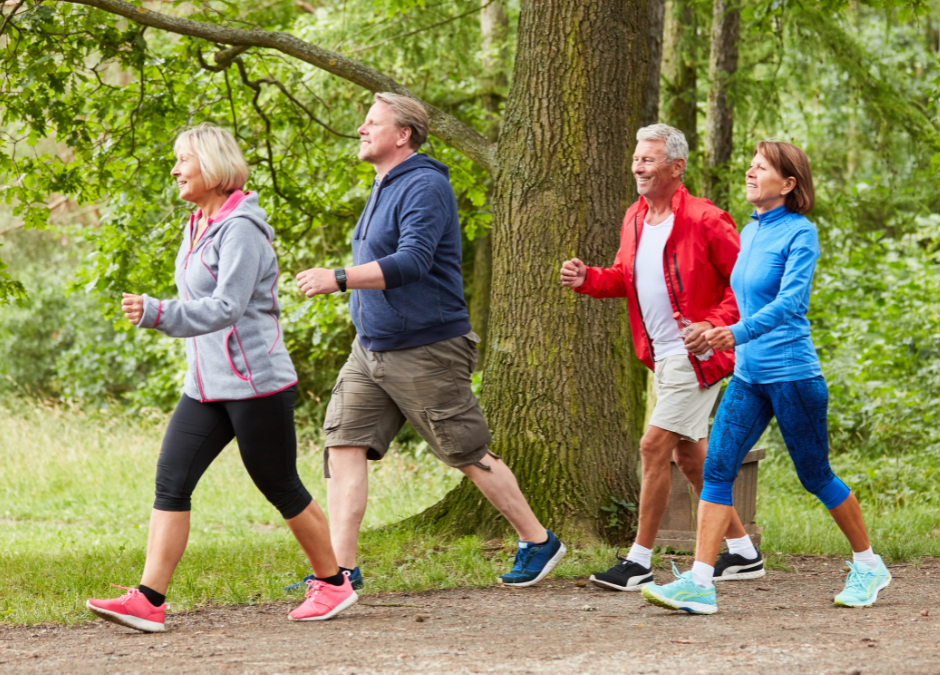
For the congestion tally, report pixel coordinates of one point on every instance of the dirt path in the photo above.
(783, 623)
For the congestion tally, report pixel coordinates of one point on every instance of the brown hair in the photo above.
(408, 113)
(791, 162)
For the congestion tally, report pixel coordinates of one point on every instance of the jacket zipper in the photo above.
(362, 238)
(202, 394)
(636, 247)
(675, 299)
(675, 266)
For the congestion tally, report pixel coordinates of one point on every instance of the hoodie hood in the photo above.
(413, 163)
(240, 205)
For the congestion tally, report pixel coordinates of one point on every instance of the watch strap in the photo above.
(340, 275)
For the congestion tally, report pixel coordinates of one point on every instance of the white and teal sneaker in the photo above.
(682, 594)
(863, 584)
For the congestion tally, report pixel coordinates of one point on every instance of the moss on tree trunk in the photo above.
(561, 391)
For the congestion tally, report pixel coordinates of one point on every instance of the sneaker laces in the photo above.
(675, 571)
(523, 556)
(131, 592)
(855, 580)
(314, 586)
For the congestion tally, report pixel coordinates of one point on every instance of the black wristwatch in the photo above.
(340, 275)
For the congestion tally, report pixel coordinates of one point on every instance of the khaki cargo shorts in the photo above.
(682, 406)
(428, 386)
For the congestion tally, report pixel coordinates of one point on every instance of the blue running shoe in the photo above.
(863, 584)
(355, 578)
(534, 562)
(682, 594)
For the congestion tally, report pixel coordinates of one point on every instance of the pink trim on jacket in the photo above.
(231, 363)
(202, 394)
(204, 262)
(270, 393)
(230, 204)
(159, 309)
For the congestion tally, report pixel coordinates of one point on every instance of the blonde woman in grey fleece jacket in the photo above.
(240, 382)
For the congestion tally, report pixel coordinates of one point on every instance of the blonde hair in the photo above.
(220, 159)
(408, 113)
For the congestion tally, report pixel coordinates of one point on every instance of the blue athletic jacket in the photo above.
(411, 227)
(771, 281)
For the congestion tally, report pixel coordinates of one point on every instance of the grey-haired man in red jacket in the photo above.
(674, 266)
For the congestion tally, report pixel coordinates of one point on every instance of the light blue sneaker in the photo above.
(863, 584)
(682, 594)
(534, 561)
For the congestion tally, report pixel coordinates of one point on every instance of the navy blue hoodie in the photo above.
(410, 226)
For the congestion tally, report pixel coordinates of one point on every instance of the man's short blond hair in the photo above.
(223, 166)
(408, 113)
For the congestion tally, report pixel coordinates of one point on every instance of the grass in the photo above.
(75, 497)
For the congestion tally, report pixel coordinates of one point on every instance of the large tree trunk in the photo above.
(494, 29)
(719, 114)
(561, 396)
(678, 97)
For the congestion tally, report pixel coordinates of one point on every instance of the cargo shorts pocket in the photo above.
(458, 426)
(334, 409)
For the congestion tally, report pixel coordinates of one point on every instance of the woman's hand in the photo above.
(720, 339)
(133, 307)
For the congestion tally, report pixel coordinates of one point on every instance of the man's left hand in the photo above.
(695, 342)
(317, 281)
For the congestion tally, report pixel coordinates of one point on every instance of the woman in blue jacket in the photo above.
(776, 374)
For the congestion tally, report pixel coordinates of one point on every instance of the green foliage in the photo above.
(91, 105)
(618, 512)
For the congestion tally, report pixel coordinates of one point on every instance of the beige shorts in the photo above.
(429, 386)
(682, 406)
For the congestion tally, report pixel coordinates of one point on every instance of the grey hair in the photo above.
(676, 145)
(408, 113)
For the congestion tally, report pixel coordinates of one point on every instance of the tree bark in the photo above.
(678, 102)
(719, 115)
(561, 395)
(655, 14)
(494, 29)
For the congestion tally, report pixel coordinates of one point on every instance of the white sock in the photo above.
(702, 574)
(868, 557)
(640, 554)
(742, 546)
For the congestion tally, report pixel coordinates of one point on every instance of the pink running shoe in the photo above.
(132, 609)
(324, 601)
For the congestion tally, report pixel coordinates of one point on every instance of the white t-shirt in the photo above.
(652, 292)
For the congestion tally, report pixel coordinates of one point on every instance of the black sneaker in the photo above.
(735, 567)
(624, 576)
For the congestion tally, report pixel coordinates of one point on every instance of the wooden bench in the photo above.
(678, 525)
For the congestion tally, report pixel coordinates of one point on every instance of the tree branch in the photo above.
(423, 28)
(448, 129)
(7, 19)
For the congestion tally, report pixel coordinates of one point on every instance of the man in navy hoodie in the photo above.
(415, 351)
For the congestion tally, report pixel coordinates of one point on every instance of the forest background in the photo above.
(87, 209)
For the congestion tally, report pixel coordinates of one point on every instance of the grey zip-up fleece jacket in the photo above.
(228, 311)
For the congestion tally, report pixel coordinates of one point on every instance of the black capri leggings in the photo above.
(267, 442)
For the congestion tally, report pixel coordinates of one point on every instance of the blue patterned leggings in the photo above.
(746, 409)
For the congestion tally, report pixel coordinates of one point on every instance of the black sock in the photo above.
(346, 569)
(335, 580)
(152, 596)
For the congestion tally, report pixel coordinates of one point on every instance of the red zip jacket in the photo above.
(697, 261)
